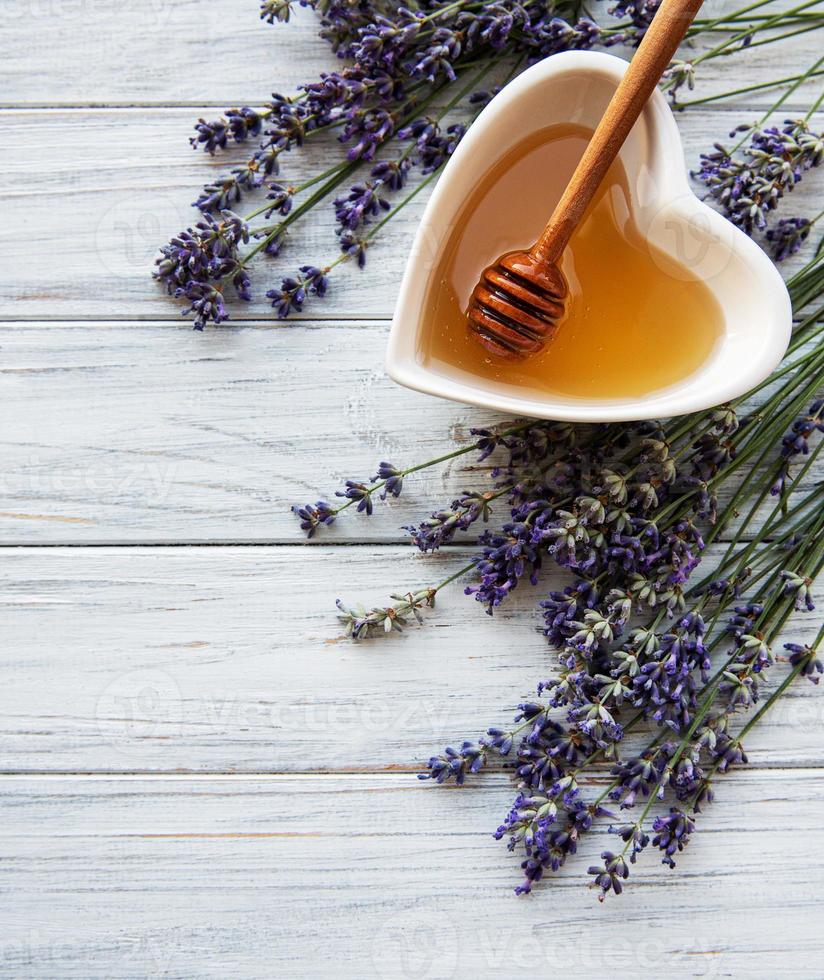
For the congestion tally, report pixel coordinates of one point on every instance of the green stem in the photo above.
(749, 88)
(706, 705)
(301, 187)
(741, 12)
(326, 188)
(777, 104)
(754, 720)
(777, 37)
(380, 484)
(741, 35)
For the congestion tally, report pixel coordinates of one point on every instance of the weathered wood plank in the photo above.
(386, 878)
(172, 52)
(154, 433)
(80, 239)
(231, 660)
(228, 659)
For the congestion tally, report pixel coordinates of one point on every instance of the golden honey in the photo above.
(636, 321)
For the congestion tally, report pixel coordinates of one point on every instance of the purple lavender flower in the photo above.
(677, 75)
(279, 10)
(499, 740)
(222, 193)
(564, 608)
(205, 302)
(444, 48)
(200, 261)
(787, 237)
(455, 764)
(280, 125)
(437, 150)
(727, 752)
(311, 516)
(354, 246)
(294, 290)
(611, 875)
(367, 129)
(443, 525)
(801, 587)
(492, 25)
(533, 822)
(750, 186)
(421, 130)
(507, 557)
(638, 776)
(392, 173)
(808, 657)
(483, 97)
(244, 123)
(633, 835)
(274, 243)
(384, 43)
(361, 204)
(392, 477)
(640, 14)
(544, 755)
(672, 834)
(797, 442)
(211, 136)
(359, 492)
(548, 35)
(280, 197)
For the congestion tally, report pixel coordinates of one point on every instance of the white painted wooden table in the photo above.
(199, 778)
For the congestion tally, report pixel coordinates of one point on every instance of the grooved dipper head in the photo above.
(514, 309)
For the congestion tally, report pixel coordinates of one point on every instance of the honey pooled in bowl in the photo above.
(636, 321)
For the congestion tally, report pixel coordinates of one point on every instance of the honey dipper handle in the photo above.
(655, 52)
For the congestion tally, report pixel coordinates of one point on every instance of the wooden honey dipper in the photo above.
(514, 309)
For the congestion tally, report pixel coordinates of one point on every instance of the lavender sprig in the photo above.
(549, 787)
(388, 481)
(637, 640)
(750, 186)
(400, 60)
(199, 262)
(361, 623)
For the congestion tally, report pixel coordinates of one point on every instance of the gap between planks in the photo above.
(222, 105)
(457, 549)
(395, 774)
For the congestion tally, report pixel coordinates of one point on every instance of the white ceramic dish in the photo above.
(575, 87)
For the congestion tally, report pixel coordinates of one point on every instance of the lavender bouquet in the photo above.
(412, 79)
(644, 640)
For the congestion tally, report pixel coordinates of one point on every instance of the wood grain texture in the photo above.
(80, 241)
(231, 659)
(135, 432)
(388, 878)
(186, 663)
(177, 52)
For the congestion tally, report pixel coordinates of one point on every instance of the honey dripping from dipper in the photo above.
(634, 320)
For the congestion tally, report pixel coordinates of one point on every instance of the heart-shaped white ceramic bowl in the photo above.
(575, 87)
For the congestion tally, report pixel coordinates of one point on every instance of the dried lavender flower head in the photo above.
(750, 185)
